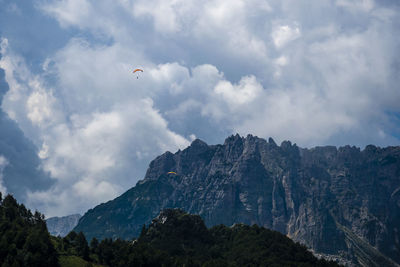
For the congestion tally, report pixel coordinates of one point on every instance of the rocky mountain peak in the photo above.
(233, 139)
(371, 149)
(338, 201)
(198, 144)
(271, 142)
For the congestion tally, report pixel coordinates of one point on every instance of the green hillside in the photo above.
(174, 238)
(24, 239)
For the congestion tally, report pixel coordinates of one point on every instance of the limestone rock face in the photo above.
(337, 201)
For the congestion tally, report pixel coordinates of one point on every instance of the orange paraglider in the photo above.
(136, 70)
(171, 172)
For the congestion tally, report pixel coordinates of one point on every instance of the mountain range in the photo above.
(343, 203)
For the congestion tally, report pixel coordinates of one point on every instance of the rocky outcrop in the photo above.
(61, 226)
(338, 201)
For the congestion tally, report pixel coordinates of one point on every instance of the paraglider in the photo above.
(171, 172)
(137, 70)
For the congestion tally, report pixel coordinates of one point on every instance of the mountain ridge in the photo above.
(303, 193)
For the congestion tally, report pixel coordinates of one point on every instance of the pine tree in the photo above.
(24, 239)
(82, 246)
(94, 245)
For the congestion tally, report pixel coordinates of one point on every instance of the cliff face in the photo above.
(336, 201)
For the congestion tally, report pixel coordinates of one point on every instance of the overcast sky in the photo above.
(78, 128)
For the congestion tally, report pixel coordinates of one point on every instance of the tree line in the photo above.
(177, 239)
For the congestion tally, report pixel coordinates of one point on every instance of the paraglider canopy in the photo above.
(171, 172)
(137, 70)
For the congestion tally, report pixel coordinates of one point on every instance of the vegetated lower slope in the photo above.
(24, 239)
(186, 238)
(303, 193)
(176, 238)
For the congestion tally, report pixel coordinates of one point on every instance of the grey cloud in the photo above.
(29, 31)
(319, 72)
(341, 53)
(22, 173)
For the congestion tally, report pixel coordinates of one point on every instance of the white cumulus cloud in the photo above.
(244, 93)
(284, 34)
(319, 72)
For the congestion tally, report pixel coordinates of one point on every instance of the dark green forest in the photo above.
(174, 238)
(24, 239)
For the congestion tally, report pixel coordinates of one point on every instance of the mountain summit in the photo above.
(343, 202)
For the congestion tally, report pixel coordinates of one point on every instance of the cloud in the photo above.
(164, 13)
(94, 131)
(20, 167)
(3, 163)
(237, 95)
(358, 5)
(70, 12)
(97, 157)
(284, 34)
(39, 106)
(315, 73)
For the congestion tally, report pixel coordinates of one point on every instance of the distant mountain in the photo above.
(61, 226)
(341, 202)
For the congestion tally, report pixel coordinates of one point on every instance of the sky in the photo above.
(78, 128)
